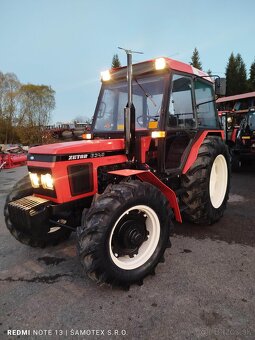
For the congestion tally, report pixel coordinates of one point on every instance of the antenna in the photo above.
(129, 51)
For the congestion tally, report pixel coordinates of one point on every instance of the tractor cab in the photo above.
(173, 101)
(251, 121)
(240, 135)
(246, 132)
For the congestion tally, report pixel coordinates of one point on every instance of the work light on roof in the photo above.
(160, 63)
(105, 75)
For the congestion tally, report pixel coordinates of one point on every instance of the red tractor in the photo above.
(239, 135)
(155, 154)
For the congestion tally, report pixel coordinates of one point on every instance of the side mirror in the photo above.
(220, 87)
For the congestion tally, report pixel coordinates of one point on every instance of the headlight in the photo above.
(35, 180)
(47, 181)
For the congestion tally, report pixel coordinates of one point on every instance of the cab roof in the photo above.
(149, 67)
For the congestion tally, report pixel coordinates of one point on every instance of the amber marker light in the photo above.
(87, 136)
(158, 134)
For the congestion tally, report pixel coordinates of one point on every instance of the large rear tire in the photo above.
(124, 234)
(206, 183)
(54, 236)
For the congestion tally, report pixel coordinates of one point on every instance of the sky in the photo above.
(67, 43)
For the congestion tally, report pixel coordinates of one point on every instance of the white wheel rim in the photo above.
(218, 181)
(147, 248)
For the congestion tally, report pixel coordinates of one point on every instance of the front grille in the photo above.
(80, 178)
(28, 203)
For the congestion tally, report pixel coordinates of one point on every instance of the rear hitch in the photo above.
(62, 225)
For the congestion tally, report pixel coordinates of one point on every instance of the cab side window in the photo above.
(181, 113)
(205, 105)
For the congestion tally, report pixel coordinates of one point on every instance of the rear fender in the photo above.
(196, 145)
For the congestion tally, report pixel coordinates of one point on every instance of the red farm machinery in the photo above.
(155, 154)
(239, 135)
(12, 157)
(237, 115)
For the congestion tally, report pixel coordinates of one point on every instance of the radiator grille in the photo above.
(80, 178)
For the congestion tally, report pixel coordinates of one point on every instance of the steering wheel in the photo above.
(140, 120)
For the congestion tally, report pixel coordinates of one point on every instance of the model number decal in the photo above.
(86, 156)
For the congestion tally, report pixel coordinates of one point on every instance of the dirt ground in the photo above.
(204, 290)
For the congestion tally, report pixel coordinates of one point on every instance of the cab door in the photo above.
(180, 121)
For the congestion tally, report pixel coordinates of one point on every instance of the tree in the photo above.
(115, 61)
(24, 110)
(36, 104)
(9, 87)
(195, 59)
(236, 77)
(241, 74)
(231, 76)
(252, 77)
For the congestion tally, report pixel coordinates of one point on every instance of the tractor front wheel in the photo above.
(125, 233)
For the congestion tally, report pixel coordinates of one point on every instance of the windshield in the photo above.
(147, 99)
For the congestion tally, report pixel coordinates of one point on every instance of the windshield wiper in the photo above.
(148, 95)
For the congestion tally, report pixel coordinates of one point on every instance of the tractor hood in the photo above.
(76, 150)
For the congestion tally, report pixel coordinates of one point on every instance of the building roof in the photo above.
(236, 97)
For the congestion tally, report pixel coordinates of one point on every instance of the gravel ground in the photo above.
(204, 290)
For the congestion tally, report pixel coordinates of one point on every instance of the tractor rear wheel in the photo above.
(54, 236)
(206, 183)
(124, 234)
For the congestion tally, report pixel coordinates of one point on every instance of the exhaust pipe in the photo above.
(129, 110)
